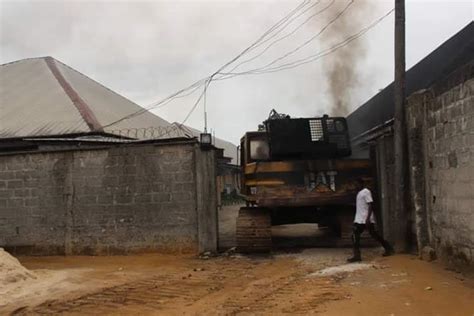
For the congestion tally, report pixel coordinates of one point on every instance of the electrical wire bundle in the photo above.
(267, 40)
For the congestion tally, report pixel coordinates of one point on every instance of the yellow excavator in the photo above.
(297, 170)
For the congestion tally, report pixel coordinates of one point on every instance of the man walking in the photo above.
(364, 218)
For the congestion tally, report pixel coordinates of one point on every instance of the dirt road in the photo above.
(289, 281)
(283, 283)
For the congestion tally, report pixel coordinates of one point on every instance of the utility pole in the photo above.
(400, 205)
(205, 109)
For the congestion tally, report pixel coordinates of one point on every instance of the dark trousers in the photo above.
(358, 229)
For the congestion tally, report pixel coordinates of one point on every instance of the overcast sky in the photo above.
(146, 50)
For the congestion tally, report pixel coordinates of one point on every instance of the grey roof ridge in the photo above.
(79, 103)
(119, 95)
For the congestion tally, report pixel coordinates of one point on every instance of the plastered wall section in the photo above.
(441, 132)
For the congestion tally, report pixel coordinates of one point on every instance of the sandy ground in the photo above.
(288, 281)
(305, 282)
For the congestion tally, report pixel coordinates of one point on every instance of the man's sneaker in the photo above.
(354, 259)
(388, 252)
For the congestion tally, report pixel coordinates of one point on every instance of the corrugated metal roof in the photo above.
(42, 96)
(33, 103)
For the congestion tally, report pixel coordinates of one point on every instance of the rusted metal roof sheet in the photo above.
(42, 96)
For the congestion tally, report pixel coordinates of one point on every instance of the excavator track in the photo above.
(254, 230)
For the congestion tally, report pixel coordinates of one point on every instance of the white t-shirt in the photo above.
(364, 197)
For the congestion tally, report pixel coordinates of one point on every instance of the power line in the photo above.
(211, 78)
(218, 75)
(287, 35)
(208, 79)
(203, 94)
(325, 52)
(175, 95)
(283, 21)
(310, 58)
(330, 50)
(180, 125)
(297, 63)
(313, 37)
(286, 23)
(179, 97)
(262, 37)
(197, 102)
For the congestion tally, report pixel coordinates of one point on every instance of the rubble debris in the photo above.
(345, 268)
(230, 251)
(428, 254)
(206, 255)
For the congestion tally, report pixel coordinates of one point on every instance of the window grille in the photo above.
(316, 129)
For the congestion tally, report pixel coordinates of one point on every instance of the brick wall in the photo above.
(441, 143)
(104, 201)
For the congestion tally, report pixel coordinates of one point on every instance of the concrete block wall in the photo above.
(441, 126)
(107, 201)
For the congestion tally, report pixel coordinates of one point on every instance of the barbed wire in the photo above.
(152, 132)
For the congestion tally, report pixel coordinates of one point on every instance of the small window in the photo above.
(259, 150)
(340, 127)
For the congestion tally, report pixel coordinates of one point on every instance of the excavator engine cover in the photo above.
(308, 138)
